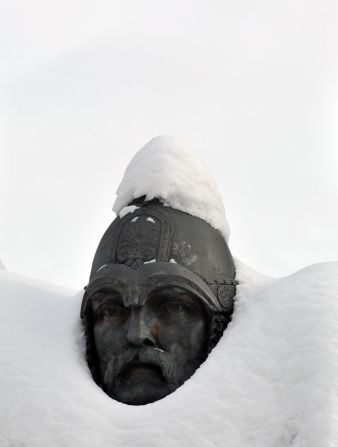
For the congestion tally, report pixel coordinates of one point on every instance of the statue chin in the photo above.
(140, 385)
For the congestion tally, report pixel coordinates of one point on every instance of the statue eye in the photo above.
(170, 302)
(112, 310)
(175, 307)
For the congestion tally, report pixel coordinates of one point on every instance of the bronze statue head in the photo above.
(159, 297)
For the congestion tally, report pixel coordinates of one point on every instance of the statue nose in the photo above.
(139, 329)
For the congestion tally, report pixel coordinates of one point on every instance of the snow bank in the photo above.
(168, 169)
(270, 382)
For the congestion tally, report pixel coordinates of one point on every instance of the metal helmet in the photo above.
(155, 246)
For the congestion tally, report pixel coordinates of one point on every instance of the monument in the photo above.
(160, 294)
(159, 297)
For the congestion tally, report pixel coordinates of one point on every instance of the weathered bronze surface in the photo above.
(159, 297)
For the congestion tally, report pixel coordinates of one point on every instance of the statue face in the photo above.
(147, 351)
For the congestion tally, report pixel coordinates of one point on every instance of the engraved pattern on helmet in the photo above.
(138, 242)
(224, 292)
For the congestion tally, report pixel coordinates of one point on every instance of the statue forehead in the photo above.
(134, 285)
(161, 296)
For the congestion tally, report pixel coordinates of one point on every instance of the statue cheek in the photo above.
(197, 334)
(109, 340)
(193, 339)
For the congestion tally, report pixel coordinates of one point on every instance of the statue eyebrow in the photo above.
(176, 293)
(107, 294)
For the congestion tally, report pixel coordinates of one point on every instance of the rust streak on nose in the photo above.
(155, 331)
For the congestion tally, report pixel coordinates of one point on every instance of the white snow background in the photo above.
(83, 85)
(271, 381)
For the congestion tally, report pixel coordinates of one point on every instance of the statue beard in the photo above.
(164, 362)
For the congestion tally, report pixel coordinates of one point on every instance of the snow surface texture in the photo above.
(127, 209)
(166, 166)
(270, 382)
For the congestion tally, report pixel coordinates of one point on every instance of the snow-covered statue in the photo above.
(162, 282)
(159, 297)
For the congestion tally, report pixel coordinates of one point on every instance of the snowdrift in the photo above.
(270, 382)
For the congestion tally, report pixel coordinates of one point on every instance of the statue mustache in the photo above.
(146, 354)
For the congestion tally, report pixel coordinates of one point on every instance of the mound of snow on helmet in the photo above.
(166, 168)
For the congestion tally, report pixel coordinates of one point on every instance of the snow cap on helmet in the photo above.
(172, 234)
